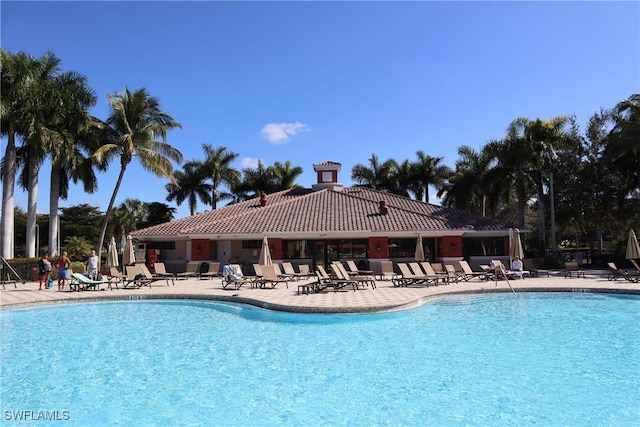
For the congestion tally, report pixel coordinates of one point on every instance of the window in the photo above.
(406, 248)
(251, 244)
(297, 249)
(161, 245)
(484, 246)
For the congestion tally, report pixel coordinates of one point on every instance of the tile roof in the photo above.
(299, 211)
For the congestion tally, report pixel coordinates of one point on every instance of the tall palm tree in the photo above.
(72, 163)
(427, 171)
(18, 78)
(541, 139)
(286, 174)
(190, 186)
(261, 180)
(401, 179)
(74, 138)
(217, 166)
(43, 112)
(623, 148)
(377, 175)
(468, 188)
(511, 167)
(139, 128)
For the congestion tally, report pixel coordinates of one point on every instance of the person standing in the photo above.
(92, 266)
(44, 270)
(63, 264)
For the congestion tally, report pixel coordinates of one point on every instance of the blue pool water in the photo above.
(528, 359)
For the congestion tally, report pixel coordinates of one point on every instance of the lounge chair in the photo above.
(469, 274)
(212, 271)
(616, 273)
(135, 277)
(342, 273)
(288, 269)
(408, 277)
(80, 282)
(572, 268)
(354, 271)
(326, 281)
(386, 270)
(305, 270)
(115, 276)
(452, 274)
(191, 271)
(153, 277)
(430, 272)
(270, 277)
(161, 271)
(281, 273)
(528, 265)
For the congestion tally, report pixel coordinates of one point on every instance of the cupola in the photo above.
(327, 176)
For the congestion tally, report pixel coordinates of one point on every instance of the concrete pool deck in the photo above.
(384, 298)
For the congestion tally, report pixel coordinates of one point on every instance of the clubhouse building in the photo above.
(321, 224)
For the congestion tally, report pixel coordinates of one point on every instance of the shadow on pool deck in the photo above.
(384, 298)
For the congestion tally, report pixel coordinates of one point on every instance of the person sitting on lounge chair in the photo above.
(516, 265)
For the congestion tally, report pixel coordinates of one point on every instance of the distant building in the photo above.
(324, 223)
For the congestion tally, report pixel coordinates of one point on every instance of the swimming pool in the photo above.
(528, 359)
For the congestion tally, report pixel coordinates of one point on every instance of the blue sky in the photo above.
(339, 81)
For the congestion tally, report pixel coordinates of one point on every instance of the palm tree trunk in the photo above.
(521, 200)
(32, 204)
(54, 197)
(8, 188)
(107, 214)
(542, 244)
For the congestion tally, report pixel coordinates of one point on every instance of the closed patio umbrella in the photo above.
(515, 244)
(265, 254)
(633, 249)
(129, 256)
(112, 254)
(419, 256)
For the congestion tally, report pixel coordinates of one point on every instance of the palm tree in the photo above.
(76, 135)
(17, 84)
(43, 110)
(136, 122)
(217, 167)
(286, 174)
(541, 139)
(511, 167)
(72, 162)
(427, 171)
(377, 175)
(261, 180)
(623, 149)
(190, 186)
(468, 188)
(401, 180)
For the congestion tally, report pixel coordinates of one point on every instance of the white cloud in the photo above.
(278, 133)
(249, 163)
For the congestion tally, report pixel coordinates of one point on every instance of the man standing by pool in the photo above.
(63, 264)
(92, 266)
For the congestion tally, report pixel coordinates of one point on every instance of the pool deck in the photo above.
(385, 297)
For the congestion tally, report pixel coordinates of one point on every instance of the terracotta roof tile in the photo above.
(354, 209)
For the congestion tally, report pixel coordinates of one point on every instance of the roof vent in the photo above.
(263, 199)
(384, 209)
